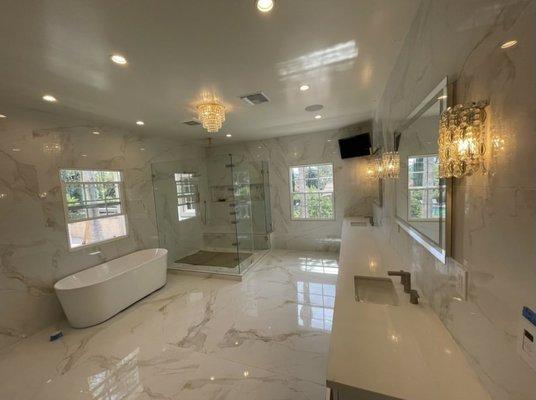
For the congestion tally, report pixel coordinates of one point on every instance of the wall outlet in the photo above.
(462, 276)
(526, 345)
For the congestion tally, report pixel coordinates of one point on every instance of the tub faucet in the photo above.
(405, 278)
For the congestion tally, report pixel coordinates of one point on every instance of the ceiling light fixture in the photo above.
(264, 6)
(304, 88)
(49, 98)
(140, 123)
(96, 132)
(228, 135)
(119, 59)
(507, 45)
(211, 113)
(318, 116)
(16, 149)
(3, 116)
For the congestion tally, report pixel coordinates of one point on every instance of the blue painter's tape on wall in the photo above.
(530, 315)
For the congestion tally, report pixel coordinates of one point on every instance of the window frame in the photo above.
(427, 189)
(122, 201)
(291, 192)
(190, 182)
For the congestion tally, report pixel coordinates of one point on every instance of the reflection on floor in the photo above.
(266, 337)
(215, 258)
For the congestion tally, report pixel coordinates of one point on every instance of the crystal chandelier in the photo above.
(462, 140)
(390, 165)
(211, 113)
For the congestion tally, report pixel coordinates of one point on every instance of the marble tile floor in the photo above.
(266, 337)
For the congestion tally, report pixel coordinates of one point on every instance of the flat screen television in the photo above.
(355, 146)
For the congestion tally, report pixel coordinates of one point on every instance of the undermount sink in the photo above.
(369, 289)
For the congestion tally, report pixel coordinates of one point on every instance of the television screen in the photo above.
(355, 146)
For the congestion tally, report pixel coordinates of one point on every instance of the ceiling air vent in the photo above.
(192, 122)
(255, 98)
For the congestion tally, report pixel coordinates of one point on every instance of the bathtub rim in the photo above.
(59, 289)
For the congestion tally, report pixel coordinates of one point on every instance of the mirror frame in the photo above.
(443, 88)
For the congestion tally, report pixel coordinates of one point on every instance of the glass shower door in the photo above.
(241, 213)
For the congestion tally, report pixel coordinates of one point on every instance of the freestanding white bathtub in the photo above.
(98, 293)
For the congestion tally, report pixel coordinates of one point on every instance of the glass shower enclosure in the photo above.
(204, 214)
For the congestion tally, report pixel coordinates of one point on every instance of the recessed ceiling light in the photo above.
(140, 123)
(3, 116)
(96, 132)
(142, 148)
(15, 149)
(228, 135)
(304, 88)
(84, 155)
(118, 59)
(507, 45)
(314, 107)
(318, 116)
(49, 98)
(264, 5)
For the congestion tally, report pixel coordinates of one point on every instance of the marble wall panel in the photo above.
(354, 192)
(33, 242)
(494, 224)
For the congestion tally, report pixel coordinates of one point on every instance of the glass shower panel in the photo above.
(266, 193)
(241, 211)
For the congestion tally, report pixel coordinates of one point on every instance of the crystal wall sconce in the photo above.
(462, 140)
(385, 166)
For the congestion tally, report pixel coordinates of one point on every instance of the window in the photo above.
(187, 195)
(424, 192)
(94, 207)
(311, 192)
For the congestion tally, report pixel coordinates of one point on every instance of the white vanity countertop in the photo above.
(400, 351)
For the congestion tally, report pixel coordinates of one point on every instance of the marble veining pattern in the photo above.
(33, 239)
(266, 337)
(494, 215)
(354, 192)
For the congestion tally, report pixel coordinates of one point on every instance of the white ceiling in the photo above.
(177, 48)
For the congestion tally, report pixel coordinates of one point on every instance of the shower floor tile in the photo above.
(214, 259)
(265, 337)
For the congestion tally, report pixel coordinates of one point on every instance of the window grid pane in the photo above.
(424, 197)
(93, 206)
(311, 188)
(187, 195)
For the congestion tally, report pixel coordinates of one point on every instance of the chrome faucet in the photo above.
(405, 278)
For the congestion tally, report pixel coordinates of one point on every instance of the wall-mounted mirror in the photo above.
(422, 198)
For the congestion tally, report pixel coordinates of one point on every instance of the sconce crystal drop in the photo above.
(386, 166)
(462, 140)
(390, 165)
(374, 168)
(211, 113)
